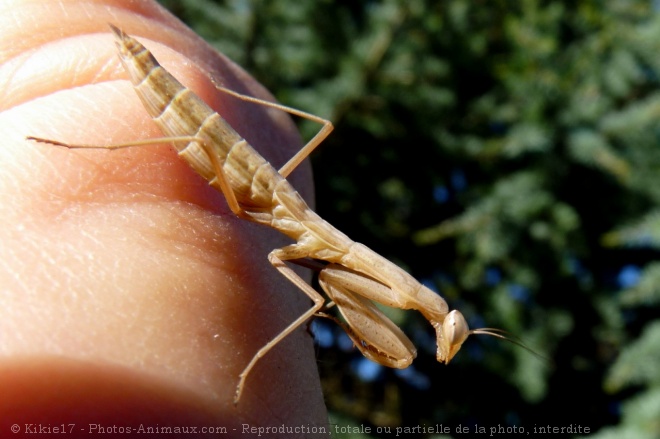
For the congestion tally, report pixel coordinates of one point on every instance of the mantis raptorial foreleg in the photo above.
(375, 335)
(337, 276)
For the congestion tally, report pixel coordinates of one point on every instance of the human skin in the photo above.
(129, 293)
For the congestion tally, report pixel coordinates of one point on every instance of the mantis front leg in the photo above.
(375, 335)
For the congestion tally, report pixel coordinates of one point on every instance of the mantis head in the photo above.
(451, 334)
(454, 330)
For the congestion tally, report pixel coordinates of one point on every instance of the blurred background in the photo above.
(505, 153)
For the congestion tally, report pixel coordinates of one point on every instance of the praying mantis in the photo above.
(352, 276)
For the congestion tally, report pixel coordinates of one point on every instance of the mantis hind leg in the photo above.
(315, 141)
(225, 187)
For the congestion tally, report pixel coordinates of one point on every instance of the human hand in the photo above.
(131, 294)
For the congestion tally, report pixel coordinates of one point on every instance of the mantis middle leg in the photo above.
(277, 258)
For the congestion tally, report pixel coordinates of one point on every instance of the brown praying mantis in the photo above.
(351, 275)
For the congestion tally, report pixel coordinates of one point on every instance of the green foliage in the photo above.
(638, 363)
(506, 153)
(640, 418)
(643, 232)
